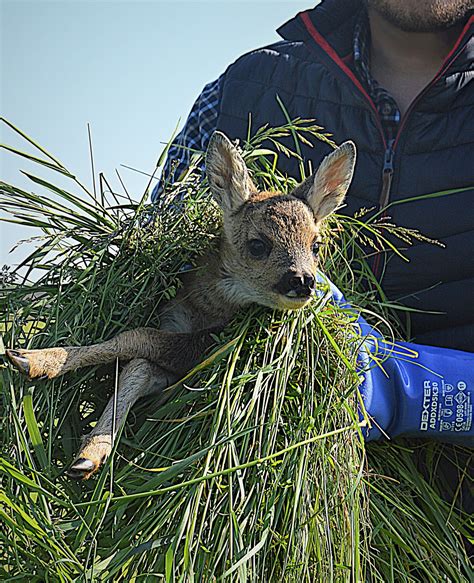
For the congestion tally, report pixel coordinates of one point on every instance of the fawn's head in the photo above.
(271, 240)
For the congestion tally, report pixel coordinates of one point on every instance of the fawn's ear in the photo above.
(227, 173)
(325, 190)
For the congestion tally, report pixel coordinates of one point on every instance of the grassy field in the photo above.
(255, 470)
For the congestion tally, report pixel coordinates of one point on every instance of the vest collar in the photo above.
(334, 20)
(328, 29)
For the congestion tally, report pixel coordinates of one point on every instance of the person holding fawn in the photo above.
(394, 76)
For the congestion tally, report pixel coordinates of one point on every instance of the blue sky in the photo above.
(131, 69)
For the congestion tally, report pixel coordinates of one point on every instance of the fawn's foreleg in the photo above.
(173, 351)
(138, 378)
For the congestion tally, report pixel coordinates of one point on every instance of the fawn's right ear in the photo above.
(227, 173)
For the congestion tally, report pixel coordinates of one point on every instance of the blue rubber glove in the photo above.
(412, 390)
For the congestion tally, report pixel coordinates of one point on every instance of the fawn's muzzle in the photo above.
(296, 285)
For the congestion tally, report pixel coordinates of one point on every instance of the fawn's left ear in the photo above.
(227, 173)
(325, 190)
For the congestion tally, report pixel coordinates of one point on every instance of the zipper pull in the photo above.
(387, 175)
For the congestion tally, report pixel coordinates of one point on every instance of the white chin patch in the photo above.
(292, 294)
(287, 302)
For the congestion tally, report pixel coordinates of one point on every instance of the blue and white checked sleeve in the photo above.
(201, 123)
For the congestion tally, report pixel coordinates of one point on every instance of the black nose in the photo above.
(295, 284)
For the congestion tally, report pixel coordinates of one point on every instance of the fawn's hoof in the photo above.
(19, 361)
(46, 363)
(94, 451)
(82, 469)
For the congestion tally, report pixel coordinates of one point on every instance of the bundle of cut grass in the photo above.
(255, 470)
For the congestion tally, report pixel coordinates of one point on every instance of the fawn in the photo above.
(267, 254)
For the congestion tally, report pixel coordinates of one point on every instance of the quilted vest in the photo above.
(433, 152)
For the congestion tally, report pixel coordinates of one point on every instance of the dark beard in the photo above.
(423, 15)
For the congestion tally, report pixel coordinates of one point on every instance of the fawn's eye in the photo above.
(258, 249)
(316, 247)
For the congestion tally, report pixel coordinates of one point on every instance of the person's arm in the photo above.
(421, 391)
(413, 390)
(195, 135)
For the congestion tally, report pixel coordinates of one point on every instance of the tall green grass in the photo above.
(255, 469)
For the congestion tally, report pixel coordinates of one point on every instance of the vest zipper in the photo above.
(392, 144)
(387, 174)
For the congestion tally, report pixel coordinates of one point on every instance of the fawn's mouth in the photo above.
(291, 302)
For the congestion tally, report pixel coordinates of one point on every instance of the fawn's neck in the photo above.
(209, 298)
(214, 294)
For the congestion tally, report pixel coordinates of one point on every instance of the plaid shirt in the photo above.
(197, 131)
(202, 120)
